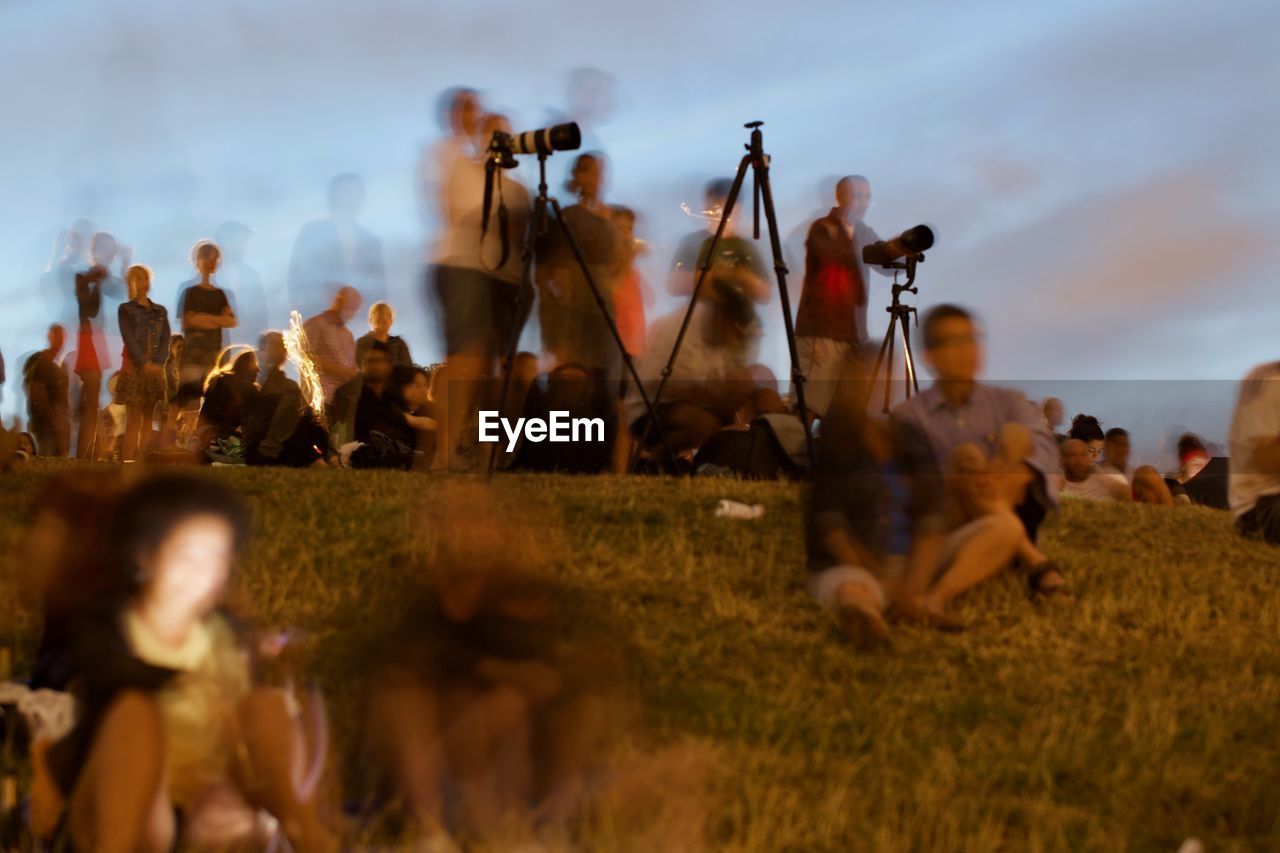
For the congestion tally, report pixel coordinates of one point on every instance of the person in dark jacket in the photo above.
(144, 327)
(278, 426)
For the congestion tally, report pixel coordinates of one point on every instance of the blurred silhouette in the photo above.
(44, 379)
(58, 281)
(97, 289)
(336, 251)
(144, 326)
(242, 283)
(204, 312)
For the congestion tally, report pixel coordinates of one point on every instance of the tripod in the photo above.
(756, 160)
(537, 229)
(899, 316)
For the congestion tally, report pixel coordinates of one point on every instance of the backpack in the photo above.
(766, 450)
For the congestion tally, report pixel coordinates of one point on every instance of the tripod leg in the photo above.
(913, 385)
(888, 372)
(875, 371)
(780, 269)
(703, 269)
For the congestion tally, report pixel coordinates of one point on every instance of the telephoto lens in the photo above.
(913, 241)
(560, 137)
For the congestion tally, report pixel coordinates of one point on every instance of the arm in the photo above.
(284, 421)
(161, 353)
(129, 332)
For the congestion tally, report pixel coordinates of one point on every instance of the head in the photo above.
(410, 386)
(714, 197)
(1116, 447)
(381, 316)
(65, 541)
(377, 364)
(245, 367)
(102, 249)
(57, 338)
(1191, 450)
(138, 277)
(206, 257)
(1087, 429)
(346, 196)
(853, 197)
(461, 111)
(586, 180)
(271, 349)
(1075, 459)
(176, 537)
(1054, 414)
(346, 303)
(952, 343)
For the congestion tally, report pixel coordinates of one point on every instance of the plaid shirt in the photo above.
(330, 340)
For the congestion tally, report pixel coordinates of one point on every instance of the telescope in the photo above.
(911, 243)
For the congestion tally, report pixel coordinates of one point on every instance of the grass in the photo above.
(1142, 715)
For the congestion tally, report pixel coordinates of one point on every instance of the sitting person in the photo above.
(1255, 455)
(410, 391)
(279, 428)
(877, 529)
(221, 411)
(993, 440)
(375, 409)
(1145, 482)
(381, 316)
(1081, 479)
(175, 745)
(1087, 429)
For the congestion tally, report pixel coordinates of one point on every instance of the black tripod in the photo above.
(536, 230)
(899, 316)
(756, 160)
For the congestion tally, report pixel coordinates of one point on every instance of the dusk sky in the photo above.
(1103, 176)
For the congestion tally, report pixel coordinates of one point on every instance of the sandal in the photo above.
(1037, 591)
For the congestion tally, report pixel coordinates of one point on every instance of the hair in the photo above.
(136, 270)
(402, 376)
(849, 179)
(1086, 428)
(936, 316)
(381, 306)
(202, 248)
(718, 188)
(448, 102)
(242, 360)
(148, 512)
(579, 163)
(623, 212)
(1116, 432)
(1189, 442)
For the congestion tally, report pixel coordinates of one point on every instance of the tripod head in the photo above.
(761, 160)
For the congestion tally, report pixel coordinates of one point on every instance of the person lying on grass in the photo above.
(992, 441)
(175, 744)
(877, 534)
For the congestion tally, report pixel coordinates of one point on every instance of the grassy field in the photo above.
(1141, 715)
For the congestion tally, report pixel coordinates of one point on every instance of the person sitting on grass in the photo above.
(992, 441)
(410, 391)
(1087, 429)
(176, 744)
(279, 428)
(876, 528)
(375, 409)
(222, 409)
(1081, 479)
(1147, 485)
(1254, 481)
(381, 316)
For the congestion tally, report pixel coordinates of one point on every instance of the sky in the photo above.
(1102, 176)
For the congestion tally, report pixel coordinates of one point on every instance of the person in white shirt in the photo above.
(1254, 481)
(1080, 480)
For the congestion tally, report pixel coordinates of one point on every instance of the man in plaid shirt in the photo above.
(332, 345)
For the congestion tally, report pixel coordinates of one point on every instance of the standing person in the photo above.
(205, 313)
(633, 296)
(57, 282)
(969, 428)
(144, 326)
(336, 249)
(574, 330)
(831, 319)
(332, 345)
(1254, 479)
(475, 287)
(48, 407)
(243, 282)
(381, 316)
(92, 287)
(736, 282)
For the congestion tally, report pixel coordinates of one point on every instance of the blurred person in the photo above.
(1115, 454)
(874, 520)
(1054, 416)
(574, 329)
(1193, 456)
(173, 365)
(410, 390)
(278, 426)
(242, 282)
(831, 319)
(337, 249)
(57, 282)
(478, 693)
(44, 380)
(475, 289)
(333, 347)
(1087, 429)
(144, 327)
(1083, 479)
(461, 115)
(1254, 446)
(93, 286)
(381, 316)
(225, 397)
(204, 312)
(992, 442)
(736, 281)
(376, 409)
(176, 745)
(112, 421)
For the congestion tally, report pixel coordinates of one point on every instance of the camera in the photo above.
(910, 243)
(544, 141)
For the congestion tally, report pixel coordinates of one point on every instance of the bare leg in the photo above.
(119, 802)
(571, 733)
(984, 554)
(404, 720)
(91, 382)
(479, 725)
(132, 433)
